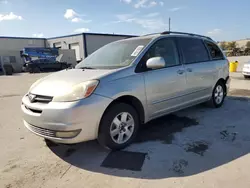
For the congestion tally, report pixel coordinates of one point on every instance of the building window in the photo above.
(57, 45)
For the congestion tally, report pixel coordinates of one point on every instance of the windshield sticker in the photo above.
(137, 50)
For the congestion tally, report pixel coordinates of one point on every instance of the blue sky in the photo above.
(222, 20)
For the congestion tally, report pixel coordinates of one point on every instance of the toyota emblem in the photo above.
(31, 97)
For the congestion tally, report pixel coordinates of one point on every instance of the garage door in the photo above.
(76, 47)
(57, 45)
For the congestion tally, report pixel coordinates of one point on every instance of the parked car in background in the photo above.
(125, 84)
(246, 70)
(44, 65)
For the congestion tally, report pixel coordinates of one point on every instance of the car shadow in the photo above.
(186, 143)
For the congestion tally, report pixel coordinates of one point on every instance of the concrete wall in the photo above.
(95, 42)
(18, 44)
(17, 66)
(66, 41)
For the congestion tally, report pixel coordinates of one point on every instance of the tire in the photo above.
(64, 66)
(36, 70)
(218, 95)
(246, 77)
(123, 131)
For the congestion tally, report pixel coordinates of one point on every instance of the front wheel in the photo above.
(218, 95)
(118, 127)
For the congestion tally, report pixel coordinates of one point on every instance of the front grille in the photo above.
(42, 131)
(43, 99)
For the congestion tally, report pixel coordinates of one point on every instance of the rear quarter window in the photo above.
(214, 50)
(193, 50)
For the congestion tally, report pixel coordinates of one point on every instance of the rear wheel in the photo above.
(36, 70)
(118, 127)
(218, 95)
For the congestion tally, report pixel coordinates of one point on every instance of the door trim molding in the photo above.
(163, 100)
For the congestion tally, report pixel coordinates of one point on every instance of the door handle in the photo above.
(180, 71)
(189, 70)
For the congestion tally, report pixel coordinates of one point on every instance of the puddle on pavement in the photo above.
(239, 98)
(228, 136)
(198, 147)
(164, 128)
(69, 152)
(179, 166)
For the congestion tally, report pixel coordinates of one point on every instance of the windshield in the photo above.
(115, 55)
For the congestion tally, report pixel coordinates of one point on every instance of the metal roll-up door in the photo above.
(76, 47)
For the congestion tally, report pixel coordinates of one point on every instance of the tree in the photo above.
(223, 45)
(231, 45)
(248, 44)
(247, 51)
(236, 52)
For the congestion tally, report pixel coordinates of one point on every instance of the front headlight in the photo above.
(77, 92)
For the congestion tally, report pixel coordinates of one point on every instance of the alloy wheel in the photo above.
(122, 128)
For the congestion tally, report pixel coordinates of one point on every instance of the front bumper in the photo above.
(45, 119)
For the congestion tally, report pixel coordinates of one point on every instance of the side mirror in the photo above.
(156, 63)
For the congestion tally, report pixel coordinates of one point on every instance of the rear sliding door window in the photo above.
(214, 51)
(193, 50)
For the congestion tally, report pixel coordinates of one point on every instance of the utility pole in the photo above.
(169, 24)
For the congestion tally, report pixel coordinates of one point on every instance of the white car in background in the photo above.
(246, 70)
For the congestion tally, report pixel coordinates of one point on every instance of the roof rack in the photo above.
(151, 34)
(182, 33)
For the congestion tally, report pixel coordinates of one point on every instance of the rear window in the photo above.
(214, 51)
(193, 50)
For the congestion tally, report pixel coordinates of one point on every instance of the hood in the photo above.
(62, 81)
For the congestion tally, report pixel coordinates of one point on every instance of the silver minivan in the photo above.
(125, 84)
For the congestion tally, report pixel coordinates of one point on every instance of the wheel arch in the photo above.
(224, 81)
(131, 100)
